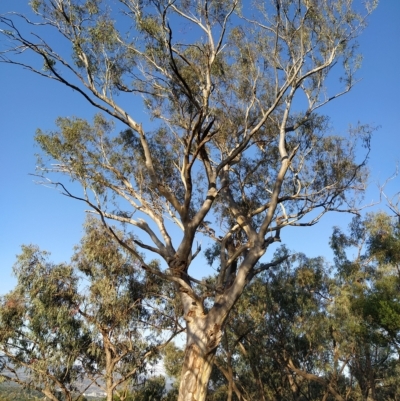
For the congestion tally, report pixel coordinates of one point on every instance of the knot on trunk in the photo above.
(190, 315)
(194, 312)
(214, 337)
(178, 265)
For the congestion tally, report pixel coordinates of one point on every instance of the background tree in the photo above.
(153, 390)
(121, 308)
(43, 344)
(89, 320)
(236, 150)
(279, 343)
(307, 331)
(368, 302)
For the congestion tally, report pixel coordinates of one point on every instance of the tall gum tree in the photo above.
(236, 149)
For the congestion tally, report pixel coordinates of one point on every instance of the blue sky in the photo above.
(31, 213)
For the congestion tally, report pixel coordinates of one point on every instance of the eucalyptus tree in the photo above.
(308, 331)
(235, 149)
(67, 327)
(43, 345)
(278, 342)
(367, 303)
(129, 322)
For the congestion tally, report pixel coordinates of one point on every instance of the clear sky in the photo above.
(30, 213)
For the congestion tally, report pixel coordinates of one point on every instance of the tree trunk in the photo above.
(370, 396)
(203, 337)
(256, 373)
(293, 386)
(203, 331)
(109, 372)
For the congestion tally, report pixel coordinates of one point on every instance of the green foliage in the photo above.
(17, 393)
(39, 331)
(300, 328)
(374, 273)
(172, 360)
(153, 390)
(282, 318)
(64, 323)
